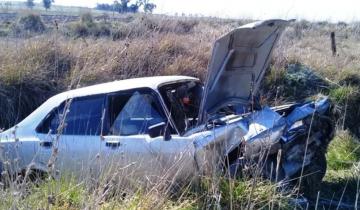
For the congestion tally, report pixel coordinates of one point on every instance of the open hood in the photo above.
(238, 64)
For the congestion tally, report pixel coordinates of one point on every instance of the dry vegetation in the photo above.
(63, 55)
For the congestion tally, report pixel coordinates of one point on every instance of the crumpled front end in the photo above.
(287, 143)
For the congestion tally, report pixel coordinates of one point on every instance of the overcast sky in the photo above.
(344, 10)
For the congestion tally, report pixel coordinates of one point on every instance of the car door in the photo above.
(70, 135)
(174, 157)
(128, 147)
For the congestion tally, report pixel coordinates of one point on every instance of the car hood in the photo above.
(238, 64)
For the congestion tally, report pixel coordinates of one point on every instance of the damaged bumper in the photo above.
(287, 139)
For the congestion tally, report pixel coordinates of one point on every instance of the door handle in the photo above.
(46, 144)
(113, 144)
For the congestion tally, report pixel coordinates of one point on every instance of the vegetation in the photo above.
(30, 4)
(344, 151)
(28, 24)
(88, 49)
(69, 193)
(123, 6)
(88, 27)
(47, 4)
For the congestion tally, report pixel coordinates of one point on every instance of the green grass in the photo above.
(69, 193)
(341, 182)
(341, 94)
(343, 151)
(262, 194)
(341, 185)
(58, 194)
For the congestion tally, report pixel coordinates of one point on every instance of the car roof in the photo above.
(34, 118)
(127, 84)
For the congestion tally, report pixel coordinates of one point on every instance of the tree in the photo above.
(106, 7)
(134, 8)
(116, 6)
(123, 6)
(30, 4)
(147, 5)
(47, 4)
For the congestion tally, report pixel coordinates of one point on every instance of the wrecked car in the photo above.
(176, 125)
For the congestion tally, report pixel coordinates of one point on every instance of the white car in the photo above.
(174, 124)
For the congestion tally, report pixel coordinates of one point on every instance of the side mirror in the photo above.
(158, 130)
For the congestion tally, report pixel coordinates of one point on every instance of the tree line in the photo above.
(121, 6)
(46, 3)
(124, 6)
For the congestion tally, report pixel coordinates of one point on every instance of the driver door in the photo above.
(127, 147)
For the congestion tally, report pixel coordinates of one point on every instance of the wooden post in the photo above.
(333, 43)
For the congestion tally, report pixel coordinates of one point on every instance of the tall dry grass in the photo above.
(153, 45)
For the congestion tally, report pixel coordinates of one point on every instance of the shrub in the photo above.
(347, 99)
(102, 29)
(87, 19)
(79, 30)
(343, 151)
(88, 27)
(29, 23)
(295, 82)
(29, 77)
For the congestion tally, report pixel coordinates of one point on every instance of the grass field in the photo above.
(64, 53)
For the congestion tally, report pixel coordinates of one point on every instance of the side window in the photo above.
(133, 113)
(83, 118)
(183, 101)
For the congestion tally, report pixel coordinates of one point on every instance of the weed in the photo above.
(343, 151)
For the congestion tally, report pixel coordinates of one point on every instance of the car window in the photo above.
(133, 113)
(183, 102)
(84, 117)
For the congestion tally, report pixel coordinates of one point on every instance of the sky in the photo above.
(330, 10)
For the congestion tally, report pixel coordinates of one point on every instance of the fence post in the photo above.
(333, 43)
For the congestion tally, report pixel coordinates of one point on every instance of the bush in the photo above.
(347, 100)
(87, 19)
(79, 30)
(30, 76)
(167, 25)
(343, 151)
(102, 29)
(88, 27)
(294, 83)
(29, 23)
